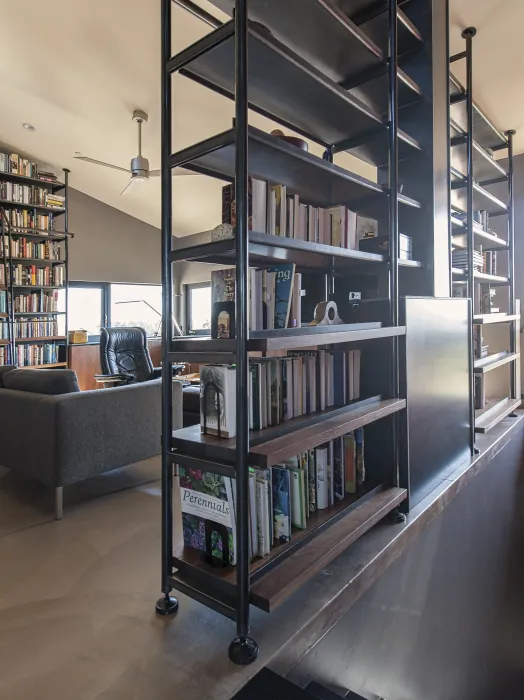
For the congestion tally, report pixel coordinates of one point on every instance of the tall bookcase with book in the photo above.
(34, 264)
(297, 452)
(482, 240)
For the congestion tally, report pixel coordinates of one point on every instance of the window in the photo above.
(136, 305)
(198, 308)
(86, 308)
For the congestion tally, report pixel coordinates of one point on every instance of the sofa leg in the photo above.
(59, 502)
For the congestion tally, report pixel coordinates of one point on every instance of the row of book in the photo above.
(281, 498)
(32, 276)
(14, 164)
(3, 301)
(459, 259)
(274, 211)
(28, 355)
(274, 299)
(303, 382)
(484, 298)
(490, 262)
(30, 194)
(280, 388)
(24, 247)
(32, 328)
(24, 219)
(5, 355)
(36, 302)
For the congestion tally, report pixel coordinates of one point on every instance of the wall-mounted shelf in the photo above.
(25, 180)
(485, 167)
(20, 205)
(494, 412)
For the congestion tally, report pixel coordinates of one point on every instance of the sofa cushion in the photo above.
(42, 381)
(3, 370)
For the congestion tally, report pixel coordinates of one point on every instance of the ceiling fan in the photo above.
(139, 169)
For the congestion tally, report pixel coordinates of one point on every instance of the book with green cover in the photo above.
(207, 498)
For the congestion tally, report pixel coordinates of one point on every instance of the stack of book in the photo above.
(28, 355)
(26, 248)
(274, 299)
(55, 201)
(47, 176)
(22, 218)
(37, 302)
(280, 388)
(35, 328)
(303, 382)
(460, 260)
(23, 194)
(14, 164)
(281, 498)
(274, 210)
(32, 276)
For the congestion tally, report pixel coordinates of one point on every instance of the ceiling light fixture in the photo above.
(28, 126)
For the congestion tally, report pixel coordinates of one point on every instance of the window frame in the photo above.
(105, 309)
(187, 296)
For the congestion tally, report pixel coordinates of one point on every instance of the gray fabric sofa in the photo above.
(62, 438)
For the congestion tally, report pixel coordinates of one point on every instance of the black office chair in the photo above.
(125, 358)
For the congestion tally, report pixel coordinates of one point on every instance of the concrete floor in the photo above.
(77, 597)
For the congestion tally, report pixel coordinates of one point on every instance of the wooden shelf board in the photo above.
(312, 178)
(495, 280)
(482, 199)
(290, 338)
(485, 319)
(484, 132)
(21, 205)
(37, 286)
(4, 341)
(50, 366)
(40, 233)
(292, 91)
(273, 445)
(4, 315)
(265, 248)
(289, 565)
(491, 362)
(43, 339)
(485, 167)
(494, 412)
(55, 186)
(39, 313)
(38, 261)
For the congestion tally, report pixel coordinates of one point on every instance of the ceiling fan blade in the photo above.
(178, 171)
(132, 185)
(100, 162)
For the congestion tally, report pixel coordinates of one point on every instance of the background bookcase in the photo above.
(479, 183)
(342, 77)
(9, 235)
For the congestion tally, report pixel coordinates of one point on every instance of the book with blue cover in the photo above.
(281, 504)
(285, 275)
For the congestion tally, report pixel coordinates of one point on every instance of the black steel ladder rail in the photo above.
(8, 276)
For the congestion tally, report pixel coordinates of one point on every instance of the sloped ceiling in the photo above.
(76, 70)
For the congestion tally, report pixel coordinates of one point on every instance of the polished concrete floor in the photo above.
(77, 597)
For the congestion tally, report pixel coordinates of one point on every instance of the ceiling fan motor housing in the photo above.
(140, 166)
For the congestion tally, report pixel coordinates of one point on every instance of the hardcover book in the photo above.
(223, 283)
(218, 400)
(208, 513)
(298, 512)
(283, 293)
(281, 504)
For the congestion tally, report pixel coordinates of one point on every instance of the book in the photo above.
(208, 513)
(257, 206)
(253, 514)
(218, 400)
(359, 452)
(223, 284)
(350, 462)
(283, 293)
(338, 469)
(262, 505)
(321, 462)
(298, 489)
(312, 481)
(280, 209)
(281, 504)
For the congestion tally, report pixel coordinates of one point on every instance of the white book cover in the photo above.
(298, 514)
(352, 239)
(218, 399)
(322, 376)
(253, 514)
(259, 205)
(272, 213)
(311, 223)
(296, 216)
(356, 373)
(264, 546)
(351, 375)
(295, 320)
(312, 368)
(304, 387)
(297, 386)
(263, 392)
(322, 483)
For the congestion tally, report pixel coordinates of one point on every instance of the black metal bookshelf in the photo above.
(334, 77)
(474, 171)
(9, 234)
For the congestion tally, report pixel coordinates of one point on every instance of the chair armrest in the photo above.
(157, 372)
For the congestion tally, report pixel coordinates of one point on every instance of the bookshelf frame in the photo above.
(234, 155)
(12, 232)
(473, 133)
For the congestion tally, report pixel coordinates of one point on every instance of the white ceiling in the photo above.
(90, 64)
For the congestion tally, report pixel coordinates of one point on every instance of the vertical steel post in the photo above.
(393, 231)
(468, 35)
(448, 153)
(242, 650)
(11, 298)
(66, 245)
(6, 238)
(166, 605)
(514, 325)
